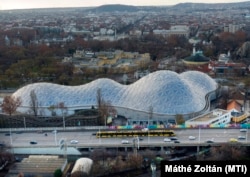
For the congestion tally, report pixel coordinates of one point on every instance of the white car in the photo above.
(191, 137)
(243, 130)
(167, 140)
(125, 142)
(73, 142)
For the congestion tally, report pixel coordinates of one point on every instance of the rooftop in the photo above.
(43, 165)
(209, 116)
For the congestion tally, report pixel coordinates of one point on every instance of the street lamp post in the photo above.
(105, 119)
(153, 168)
(136, 140)
(55, 137)
(150, 116)
(134, 146)
(148, 131)
(99, 136)
(63, 120)
(10, 133)
(24, 122)
(10, 137)
(199, 134)
(246, 134)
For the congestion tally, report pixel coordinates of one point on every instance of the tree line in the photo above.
(20, 65)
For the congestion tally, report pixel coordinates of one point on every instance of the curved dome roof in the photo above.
(166, 91)
(198, 57)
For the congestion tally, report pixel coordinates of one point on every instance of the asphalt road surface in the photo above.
(49, 138)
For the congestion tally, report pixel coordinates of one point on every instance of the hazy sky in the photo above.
(27, 4)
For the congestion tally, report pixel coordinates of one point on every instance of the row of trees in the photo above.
(106, 164)
(33, 63)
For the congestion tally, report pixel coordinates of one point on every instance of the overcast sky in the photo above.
(28, 4)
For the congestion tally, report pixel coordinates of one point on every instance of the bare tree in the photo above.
(179, 119)
(134, 160)
(226, 152)
(33, 102)
(10, 104)
(63, 109)
(52, 110)
(99, 97)
(99, 104)
(105, 108)
(150, 112)
(6, 158)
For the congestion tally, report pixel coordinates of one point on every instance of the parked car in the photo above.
(125, 142)
(73, 142)
(177, 141)
(167, 140)
(191, 137)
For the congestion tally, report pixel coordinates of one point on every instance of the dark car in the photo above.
(140, 138)
(241, 137)
(176, 141)
(209, 141)
(33, 142)
(173, 138)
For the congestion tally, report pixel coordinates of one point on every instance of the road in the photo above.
(87, 139)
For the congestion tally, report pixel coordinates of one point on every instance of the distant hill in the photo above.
(183, 6)
(211, 5)
(116, 7)
(129, 8)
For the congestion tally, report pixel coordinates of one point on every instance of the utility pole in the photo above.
(24, 122)
(153, 168)
(150, 116)
(55, 132)
(63, 120)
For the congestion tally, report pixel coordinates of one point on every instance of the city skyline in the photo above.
(31, 4)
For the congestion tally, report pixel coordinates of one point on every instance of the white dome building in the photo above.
(167, 92)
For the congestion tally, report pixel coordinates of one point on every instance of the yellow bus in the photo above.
(133, 133)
